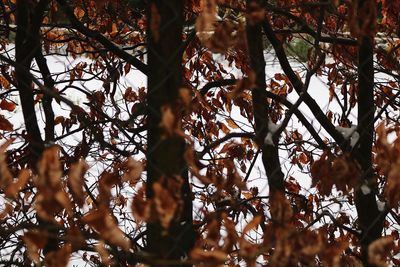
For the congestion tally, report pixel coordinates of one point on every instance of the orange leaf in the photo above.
(23, 178)
(232, 124)
(60, 257)
(133, 171)
(35, 241)
(58, 120)
(252, 224)
(167, 120)
(214, 255)
(5, 125)
(7, 105)
(76, 181)
(79, 12)
(114, 30)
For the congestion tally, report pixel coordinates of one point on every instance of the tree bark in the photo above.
(270, 156)
(165, 151)
(370, 218)
(26, 45)
(47, 99)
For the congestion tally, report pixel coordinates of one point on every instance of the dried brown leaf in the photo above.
(13, 189)
(7, 105)
(76, 181)
(379, 250)
(167, 120)
(6, 177)
(79, 12)
(133, 170)
(60, 257)
(103, 252)
(8, 209)
(205, 23)
(165, 204)
(215, 256)
(141, 208)
(185, 95)
(106, 225)
(5, 124)
(252, 224)
(35, 240)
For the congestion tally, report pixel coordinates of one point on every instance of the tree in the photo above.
(143, 124)
(167, 174)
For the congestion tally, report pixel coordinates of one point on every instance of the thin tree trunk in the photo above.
(369, 217)
(165, 151)
(47, 99)
(270, 155)
(27, 45)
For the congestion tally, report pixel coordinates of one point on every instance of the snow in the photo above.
(381, 205)
(272, 127)
(354, 139)
(350, 133)
(268, 139)
(346, 132)
(365, 189)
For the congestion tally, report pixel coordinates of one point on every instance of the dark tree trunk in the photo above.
(270, 155)
(47, 99)
(27, 46)
(369, 217)
(165, 151)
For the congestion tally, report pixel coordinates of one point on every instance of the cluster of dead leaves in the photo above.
(379, 250)
(210, 251)
(341, 171)
(51, 197)
(36, 240)
(52, 200)
(218, 36)
(105, 224)
(388, 163)
(165, 204)
(223, 183)
(8, 184)
(282, 243)
(362, 18)
(288, 246)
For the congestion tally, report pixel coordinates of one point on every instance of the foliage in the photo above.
(169, 134)
(299, 49)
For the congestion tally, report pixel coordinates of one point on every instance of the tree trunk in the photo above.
(270, 155)
(369, 217)
(26, 45)
(165, 150)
